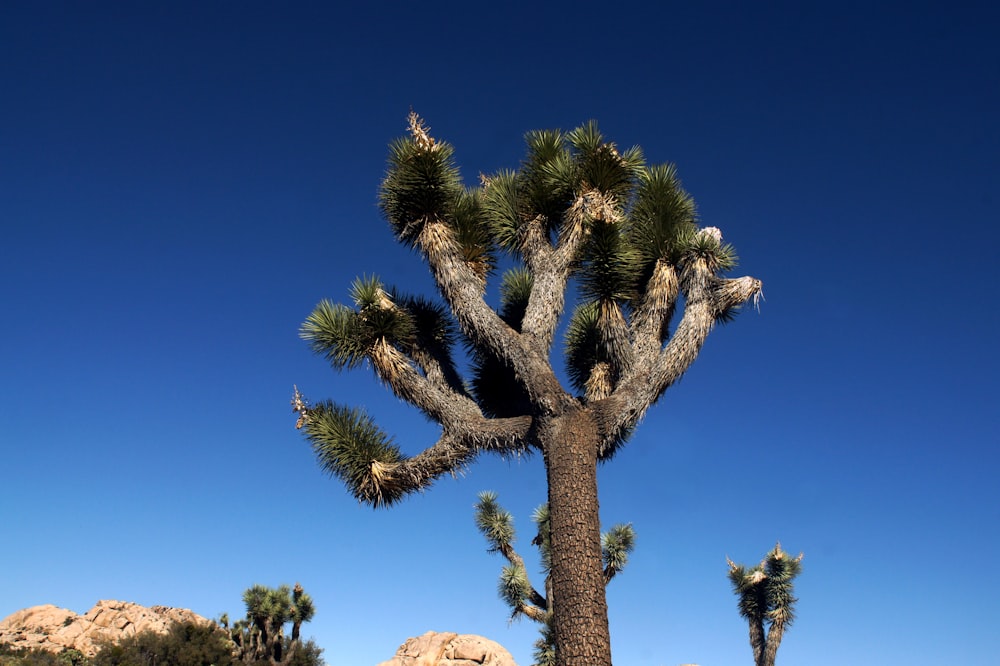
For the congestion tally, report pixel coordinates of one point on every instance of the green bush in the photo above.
(186, 644)
(11, 656)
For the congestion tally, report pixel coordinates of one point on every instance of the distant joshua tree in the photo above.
(765, 597)
(261, 636)
(515, 588)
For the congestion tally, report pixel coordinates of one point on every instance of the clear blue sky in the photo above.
(180, 183)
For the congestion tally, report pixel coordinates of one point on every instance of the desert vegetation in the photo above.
(258, 639)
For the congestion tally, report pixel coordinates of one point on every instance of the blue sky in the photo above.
(180, 183)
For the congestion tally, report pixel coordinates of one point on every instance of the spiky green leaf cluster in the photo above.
(271, 605)
(600, 166)
(543, 536)
(303, 607)
(474, 238)
(505, 209)
(616, 545)
(545, 647)
(751, 594)
(430, 324)
(781, 570)
(694, 246)
(514, 587)
(346, 442)
(334, 331)
(379, 317)
(421, 183)
(661, 214)
(764, 591)
(345, 336)
(494, 522)
(609, 270)
(583, 344)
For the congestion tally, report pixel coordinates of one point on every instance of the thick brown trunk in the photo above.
(580, 618)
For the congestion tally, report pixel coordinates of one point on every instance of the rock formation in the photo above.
(449, 649)
(55, 629)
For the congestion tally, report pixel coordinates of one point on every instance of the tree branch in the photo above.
(350, 447)
(550, 268)
(437, 399)
(707, 298)
(462, 289)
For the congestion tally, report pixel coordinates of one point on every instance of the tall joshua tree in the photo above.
(765, 599)
(577, 208)
(515, 588)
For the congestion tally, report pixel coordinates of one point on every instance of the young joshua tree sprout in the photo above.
(578, 215)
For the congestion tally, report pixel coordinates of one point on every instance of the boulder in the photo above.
(55, 629)
(450, 649)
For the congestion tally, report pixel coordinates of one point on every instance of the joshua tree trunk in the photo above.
(757, 642)
(580, 620)
(773, 641)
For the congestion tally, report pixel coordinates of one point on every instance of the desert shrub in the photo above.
(186, 644)
(11, 656)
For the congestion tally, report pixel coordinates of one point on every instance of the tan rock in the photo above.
(55, 629)
(450, 649)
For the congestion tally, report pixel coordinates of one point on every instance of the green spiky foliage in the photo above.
(766, 600)
(598, 243)
(514, 585)
(260, 636)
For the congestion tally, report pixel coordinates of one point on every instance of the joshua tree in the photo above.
(515, 587)
(577, 212)
(765, 598)
(261, 636)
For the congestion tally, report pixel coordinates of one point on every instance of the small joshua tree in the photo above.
(765, 598)
(515, 588)
(261, 636)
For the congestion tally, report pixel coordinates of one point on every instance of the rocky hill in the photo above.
(52, 628)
